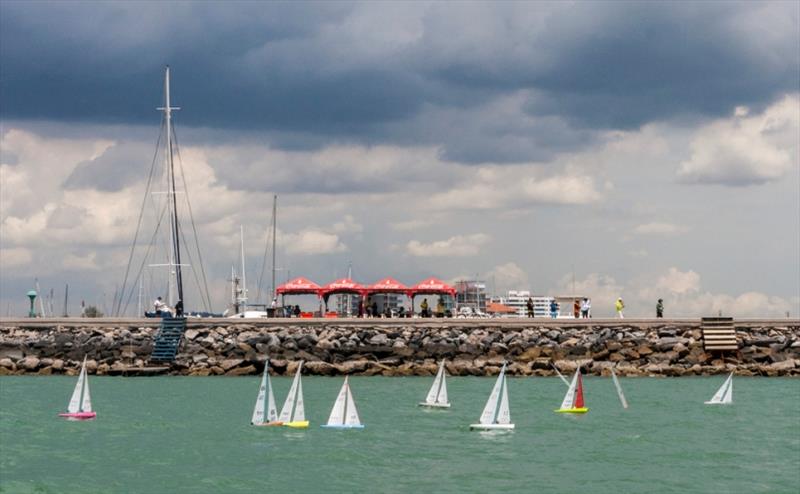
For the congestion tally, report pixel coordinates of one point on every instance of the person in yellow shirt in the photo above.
(620, 305)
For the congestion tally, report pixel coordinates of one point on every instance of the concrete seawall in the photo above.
(399, 347)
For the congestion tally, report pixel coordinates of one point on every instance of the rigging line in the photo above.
(141, 214)
(194, 271)
(146, 255)
(191, 219)
(264, 261)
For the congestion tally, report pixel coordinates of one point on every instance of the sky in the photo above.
(641, 150)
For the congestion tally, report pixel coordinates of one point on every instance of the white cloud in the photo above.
(15, 257)
(458, 246)
(677, 281)
(348, 225)
(745, 149)
(84, 263)
(508, 276)
(312, 242)
(505, 187)
(658, 228)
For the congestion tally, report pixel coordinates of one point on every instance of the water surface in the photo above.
(192, 434)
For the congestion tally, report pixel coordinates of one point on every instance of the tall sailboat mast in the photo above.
(175, 251)
(274, 230)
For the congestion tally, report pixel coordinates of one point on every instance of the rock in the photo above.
(320, 368)
(379, 339)
(217, 371)
(352, 366)
(7, 363)
(783, 366)
(45, 371)
(231, 363)
(644, 350)
(191, 334)
(530, 354)
(241, 371)
(541, 363)
(14, 354)
(29, 363)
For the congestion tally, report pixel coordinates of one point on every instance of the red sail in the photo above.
(579, 393)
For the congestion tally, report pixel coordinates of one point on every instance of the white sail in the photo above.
(619, 389)
(337, 412)
(728, 398)
(560, 375)
(441, 398)
(569, 398)
(438, 392)
(258, 411)
(272, 410)
(352, 413)
(288, 405)
(489, 411)
(725, 392)
(86, 403)
(503, 412)
(75, 400)
(299, 408)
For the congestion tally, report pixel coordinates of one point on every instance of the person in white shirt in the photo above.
(160, 307)
(586, 308)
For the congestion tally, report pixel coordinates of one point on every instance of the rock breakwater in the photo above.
(396, 348)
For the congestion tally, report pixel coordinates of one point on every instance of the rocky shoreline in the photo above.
(395, 348)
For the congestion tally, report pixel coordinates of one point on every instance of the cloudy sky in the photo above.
(644, 150)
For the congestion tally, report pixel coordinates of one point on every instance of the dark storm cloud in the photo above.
(306, 75)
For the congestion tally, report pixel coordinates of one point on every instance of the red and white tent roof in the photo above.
(387, 285)
(342, 285)
(299, 286)
(432, 285)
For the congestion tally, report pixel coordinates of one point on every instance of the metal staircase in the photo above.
(168, 339)
(719, 334)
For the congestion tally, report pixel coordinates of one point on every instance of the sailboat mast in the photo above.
(175, 254)
(244, 273)
(274, 229)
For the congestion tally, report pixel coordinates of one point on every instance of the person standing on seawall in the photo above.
(529, 306)
(660, 308)
(586, 306)
(576, 309)
(553, 309)
(620, 305)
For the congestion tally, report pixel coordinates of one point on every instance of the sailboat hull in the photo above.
(572, 410)
(78, 415)
(342, 426)
(717, 403)
(269, 424)
(302, 424)
(491, 427)
(434, 405)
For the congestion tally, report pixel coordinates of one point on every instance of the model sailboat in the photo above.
(573, 401)
(293, 413)
(265, 412)
(724, 395)
(496, 414)
(344, 414)
(437, 396)
(80, 405)
(619, 389)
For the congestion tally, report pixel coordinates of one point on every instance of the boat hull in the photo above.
(342, 426)
(717, 403)
(303, 424)
(78, 415)
(491, 427)
(572, 410)
(433, 405)
(269, 424)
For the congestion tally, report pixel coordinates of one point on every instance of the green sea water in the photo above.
(192, 435)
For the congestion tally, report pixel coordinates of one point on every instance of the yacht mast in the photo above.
(274, 230)
(175, 251)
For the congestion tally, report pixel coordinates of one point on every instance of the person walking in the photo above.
(620, 306)
(660, 308)
(529, 306)
(586, 307)
(423, 307)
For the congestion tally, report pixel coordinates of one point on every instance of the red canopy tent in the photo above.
(342, 285)
(299, 286)
(387, 285)
(430, 286)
